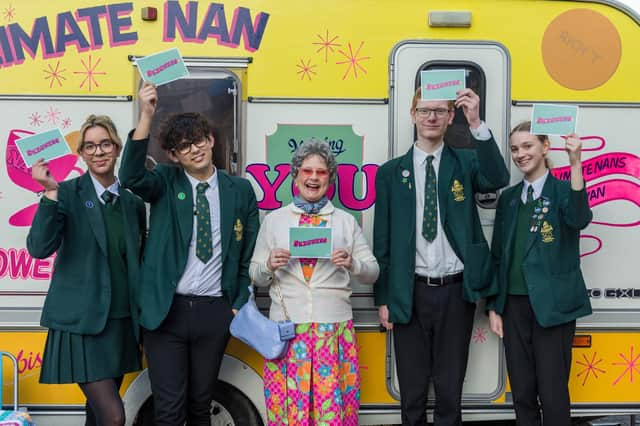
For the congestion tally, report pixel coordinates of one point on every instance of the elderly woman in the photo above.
(317, 381)
(97, 230)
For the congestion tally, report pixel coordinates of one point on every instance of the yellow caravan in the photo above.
(270, 74)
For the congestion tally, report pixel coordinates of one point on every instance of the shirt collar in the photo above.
(420, 156)
(537, 185)
(114, 188)
(212, 181)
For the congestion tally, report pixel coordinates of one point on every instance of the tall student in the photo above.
(434, 260)
(97, 230)
(195, 272)
(541, 289)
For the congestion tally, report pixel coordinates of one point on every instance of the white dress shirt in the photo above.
(436, 258)
(204, 279)
(537, 185)
(114, 188)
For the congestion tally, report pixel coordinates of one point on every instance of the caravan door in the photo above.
(487, 67)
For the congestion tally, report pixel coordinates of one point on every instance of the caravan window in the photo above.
(213, 95)
(458, 134)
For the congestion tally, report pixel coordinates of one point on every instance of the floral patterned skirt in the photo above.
(317, 382)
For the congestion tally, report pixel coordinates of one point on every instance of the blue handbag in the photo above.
(269, 338)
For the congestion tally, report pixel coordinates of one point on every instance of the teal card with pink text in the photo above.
(47, 145)
(310, 242)
(163, 67)
(441, 85)
(550, 119)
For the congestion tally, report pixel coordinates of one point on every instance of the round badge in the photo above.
(405, 173)
(89, 204)
(181, 196)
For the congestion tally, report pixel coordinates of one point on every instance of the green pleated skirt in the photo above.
(83, 358)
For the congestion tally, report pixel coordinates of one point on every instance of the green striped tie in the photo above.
(430, 216)
(204, 251)
(530, 194)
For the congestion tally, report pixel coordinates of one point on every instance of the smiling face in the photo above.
(195, 158)
(313, 178)
(528, 153)
(431, 119)
(101, 164)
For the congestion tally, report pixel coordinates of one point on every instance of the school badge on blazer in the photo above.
(237, 228)
(457, 190)
(547, 232)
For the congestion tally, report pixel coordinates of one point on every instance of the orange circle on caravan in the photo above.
(581, 49)
(73, 140)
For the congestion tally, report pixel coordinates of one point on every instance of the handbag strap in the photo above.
(277, 286)
(284, 308)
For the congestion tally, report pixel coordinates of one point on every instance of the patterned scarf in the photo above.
(309, 207)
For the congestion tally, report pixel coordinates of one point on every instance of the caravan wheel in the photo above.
(228, 408)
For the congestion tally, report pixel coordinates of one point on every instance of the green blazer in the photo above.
(169, 192)
(394, 232)
(551, 263)
(79, 296)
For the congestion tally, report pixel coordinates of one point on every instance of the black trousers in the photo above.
(184, 356)
(434, 345)
(539, 363)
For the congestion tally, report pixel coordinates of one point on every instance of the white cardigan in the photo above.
(326, 297)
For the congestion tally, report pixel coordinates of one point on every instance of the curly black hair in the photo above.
(187, 126)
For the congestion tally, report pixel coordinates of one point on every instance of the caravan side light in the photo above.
(450, 18)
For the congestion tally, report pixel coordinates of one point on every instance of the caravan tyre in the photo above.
(228, 408)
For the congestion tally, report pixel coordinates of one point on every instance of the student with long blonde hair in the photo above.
(541, 288)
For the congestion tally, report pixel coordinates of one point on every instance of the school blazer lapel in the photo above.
(445, 173)
(533, 236)
(510, 219)
(91, 207)
(408, 188)
(183, 193)
(227, 211)
(130, 221)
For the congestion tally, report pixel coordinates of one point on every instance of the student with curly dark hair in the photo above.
(195, 272)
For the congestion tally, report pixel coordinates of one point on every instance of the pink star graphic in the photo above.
(326, 44)
(55, 74)
(53, 115)
(630, 363)
(306, 69)
(479, 335)
(353, 60)
(590, 367)
(35, 119)
(89, 72)
(9, 13)
(66, 123)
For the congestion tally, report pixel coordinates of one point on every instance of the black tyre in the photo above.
(228, 408)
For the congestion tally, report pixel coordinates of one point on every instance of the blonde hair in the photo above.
(103, 121)
(525, 126)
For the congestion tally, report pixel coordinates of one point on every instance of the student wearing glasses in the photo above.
(434, 259)
(97, 229)
(318, 380)
(195, 272)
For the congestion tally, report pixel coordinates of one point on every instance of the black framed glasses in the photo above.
(185, 147)
(438, 112)
(91, 148)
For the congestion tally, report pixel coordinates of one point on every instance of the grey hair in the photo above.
(311, 147)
